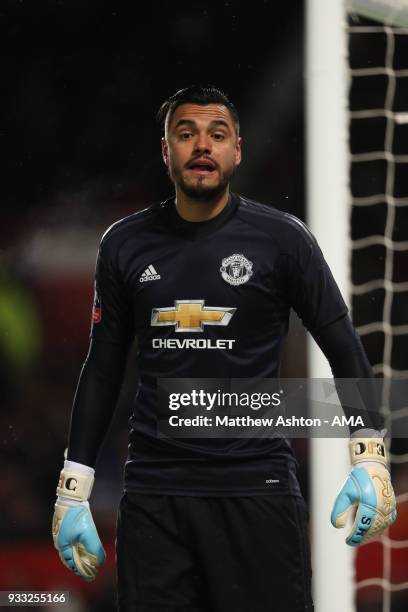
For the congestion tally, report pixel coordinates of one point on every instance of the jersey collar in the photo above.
(197, 229)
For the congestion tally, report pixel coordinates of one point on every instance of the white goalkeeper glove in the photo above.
(368, 490)
(74, 532)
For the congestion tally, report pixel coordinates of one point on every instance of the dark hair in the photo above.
(196, 94)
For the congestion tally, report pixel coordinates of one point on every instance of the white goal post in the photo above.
(328, 163)
(327, 216)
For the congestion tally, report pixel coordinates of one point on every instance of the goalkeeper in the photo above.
(206, 281)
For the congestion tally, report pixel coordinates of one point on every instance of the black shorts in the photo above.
(213, 554)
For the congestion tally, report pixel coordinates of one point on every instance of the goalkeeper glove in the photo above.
(368, 488)
(74, 532)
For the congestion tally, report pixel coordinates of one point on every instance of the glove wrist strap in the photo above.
(74, 485)
(367, 449)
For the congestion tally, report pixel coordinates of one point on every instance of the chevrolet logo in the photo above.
(191, 315)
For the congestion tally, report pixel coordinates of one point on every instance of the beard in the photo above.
(197, 189)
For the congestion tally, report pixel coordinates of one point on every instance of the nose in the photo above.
(202, 143)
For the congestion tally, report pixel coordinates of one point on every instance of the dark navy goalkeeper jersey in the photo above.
(208, 299)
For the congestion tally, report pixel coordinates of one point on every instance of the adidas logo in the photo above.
(149, 274)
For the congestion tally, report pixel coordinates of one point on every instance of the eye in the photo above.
(218, 136)
(185, 135)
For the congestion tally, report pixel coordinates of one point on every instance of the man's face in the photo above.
(201, 149)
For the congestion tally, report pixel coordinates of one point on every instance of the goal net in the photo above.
(378, 180)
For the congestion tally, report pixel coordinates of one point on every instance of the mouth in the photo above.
(201, 166)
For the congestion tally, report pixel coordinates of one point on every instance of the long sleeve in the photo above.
(313, 293)
(95, 400)
(344, 351)
(102, 374)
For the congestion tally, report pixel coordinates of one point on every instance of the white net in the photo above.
(378, 135)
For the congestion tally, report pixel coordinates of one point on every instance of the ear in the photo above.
(165, 151)
(238, 151)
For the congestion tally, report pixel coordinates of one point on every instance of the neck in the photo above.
(191, 209)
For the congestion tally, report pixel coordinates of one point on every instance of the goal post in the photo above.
(387, 12)
(351, 191)
(327, 217)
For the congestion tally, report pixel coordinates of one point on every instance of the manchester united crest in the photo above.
(236, 269)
